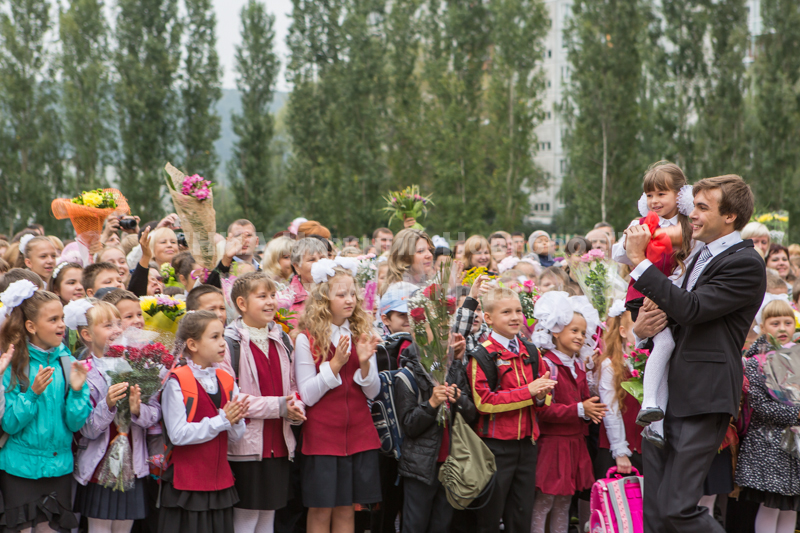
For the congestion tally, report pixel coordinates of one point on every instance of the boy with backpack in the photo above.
(504, 375)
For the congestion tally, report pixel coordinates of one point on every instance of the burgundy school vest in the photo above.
(666, 265)
(340, 424)
(203, 467)
(633, 432)
(270, 381)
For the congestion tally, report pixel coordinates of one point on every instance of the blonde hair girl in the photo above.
(411, 256)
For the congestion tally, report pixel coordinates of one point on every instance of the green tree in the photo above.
(776, 100)
(200, 90)
(250, 171)
(605, 41)
(514, 105)
(87, 92)
(146, 60)
(30, 131)
(721, 138)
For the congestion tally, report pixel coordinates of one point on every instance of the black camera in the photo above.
(182, 240)
(128, 224)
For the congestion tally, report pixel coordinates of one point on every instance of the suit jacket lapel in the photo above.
(747, 243)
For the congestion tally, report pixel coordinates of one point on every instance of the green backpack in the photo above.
(469, 471)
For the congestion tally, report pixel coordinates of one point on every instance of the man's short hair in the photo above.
(241, 222)
(496, 235)
(603, 224)
(381, 230)
(736, 197)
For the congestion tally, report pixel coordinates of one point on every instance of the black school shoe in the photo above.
(651, 436)
(649, 415)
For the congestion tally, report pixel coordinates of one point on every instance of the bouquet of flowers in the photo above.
(194, 204)
(778, 224)
(88, 211)
(429, 312)
(167, 272)
(366, 276)
(162, 314)
(408, 203)
(528, 294)
(595, 275)
(137, 361)
(781, 368)
(634, 386)
(283, 317)
(474, 273)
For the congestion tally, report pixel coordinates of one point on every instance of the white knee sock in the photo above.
(656, 392)
(266, 522)
(708, 501)
(787, 521)
(541, 508)
(245, 520)
(767, 519)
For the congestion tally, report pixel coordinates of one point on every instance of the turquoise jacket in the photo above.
(40, 427)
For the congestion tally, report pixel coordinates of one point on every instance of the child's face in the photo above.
(117, 258)
(458, 253)
(396, 322)
(541, 245)
(663, 203)
(258, 309)
(131, 314)
(47, 331)
(548, 283)
(210, 348)
(107, 278)
(213, 302)
(41, 258)
(100, 335)
(570, 339)
(440, 261)
(383, 269)
(506, 317)
(780, 327)
(154, 285)
(343, 298)
(71, 287)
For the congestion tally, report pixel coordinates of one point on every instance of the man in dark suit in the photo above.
(714, 309)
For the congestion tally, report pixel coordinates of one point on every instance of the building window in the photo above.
(549, 53)
(563, 165)
(548, 115)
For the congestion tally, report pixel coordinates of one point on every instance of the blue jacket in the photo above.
(40, 427)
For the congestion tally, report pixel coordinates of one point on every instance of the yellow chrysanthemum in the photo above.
(764, 218)
(783, 218)
(92, 199)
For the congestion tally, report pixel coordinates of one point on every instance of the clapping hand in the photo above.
(341, 355)
(459, 345)
(542, 386)
(366, 346)
(43, 378)
(135, 400)
(77, 376)
(115, 394)
(236, 410)
(5, 359)
(594, 409)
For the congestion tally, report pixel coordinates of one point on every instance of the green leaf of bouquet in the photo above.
(634, 387)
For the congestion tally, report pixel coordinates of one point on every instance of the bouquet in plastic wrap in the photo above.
(429, 312)
(88, 211)
(781, 370)
(194, 204)
(137, 360)
(636, 360)
(598, 278)
(162, 314)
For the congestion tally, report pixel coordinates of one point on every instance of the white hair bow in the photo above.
(75, 313)
(552, 312)
(325, 269)
(23, 242)
(15, 294)
(508, 263)
(440, 242)
(685, 201)
(617, 308)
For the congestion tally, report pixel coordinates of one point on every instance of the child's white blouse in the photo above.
(614, 425)
(183, 433)
(313, 385)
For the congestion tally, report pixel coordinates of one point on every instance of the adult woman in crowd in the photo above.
(759, 234)
(478, 254)
(277, 260)
(778, 258)
(410, 258)
(305, 253)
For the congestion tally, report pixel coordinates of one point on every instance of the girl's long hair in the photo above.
(615, 352)
(316, 319)
(14, 332)
(401, 255)
(666, 176)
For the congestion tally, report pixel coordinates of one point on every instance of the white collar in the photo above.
(257, 334)
(564, 358)
(502, 340)
(667, 222)
(252, 261)
(344, 329)
(198, 370)
(723, 243)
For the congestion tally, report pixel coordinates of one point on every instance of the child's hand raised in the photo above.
(540, 387)
(77, 375)
(135, 400)
(459, 345)
(115, 394)
(341, 355)
(43, 378)
(366, 346)
(5, 359)
(479, 287)
(594, 409)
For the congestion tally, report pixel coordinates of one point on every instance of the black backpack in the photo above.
(236, 350)
(488, 362)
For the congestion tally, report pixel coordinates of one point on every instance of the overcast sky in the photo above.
(229, 35)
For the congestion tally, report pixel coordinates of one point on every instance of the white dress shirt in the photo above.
(183, 433)
(502, 340)
(313, 385)
(569, 362)
(613, 423)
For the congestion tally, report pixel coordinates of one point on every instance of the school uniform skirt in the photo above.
(564, 466)
(195, 511)
(333, 481)
(262, 485)
(28, 502)
(96, 501)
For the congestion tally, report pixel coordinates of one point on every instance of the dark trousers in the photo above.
(425, 507)
(674, 475)
(514, 487)
(383, 518)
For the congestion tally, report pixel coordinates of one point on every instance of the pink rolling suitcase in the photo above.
(616, 504)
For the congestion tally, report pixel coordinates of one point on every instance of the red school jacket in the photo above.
(561, 416)
(510, 412)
